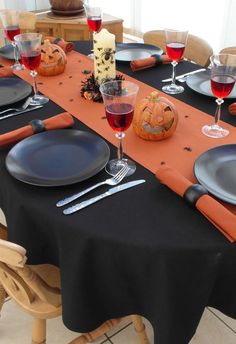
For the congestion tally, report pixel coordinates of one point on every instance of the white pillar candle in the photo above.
(104, 56)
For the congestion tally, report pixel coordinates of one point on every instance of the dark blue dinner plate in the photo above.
(126, 52)
(215, 170)
(57, 157)
(7, 52)
(13, 90)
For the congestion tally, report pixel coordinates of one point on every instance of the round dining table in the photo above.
(142, 251)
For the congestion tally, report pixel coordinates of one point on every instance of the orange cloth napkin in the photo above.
(5, 71)
(214, 211)
(149, 62)
(64, 120)
(66, 46)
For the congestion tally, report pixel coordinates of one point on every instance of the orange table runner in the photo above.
(179, 151)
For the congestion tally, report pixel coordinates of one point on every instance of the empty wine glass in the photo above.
(175, 46)
(119, 100)
(29, 45)
(223, 75)
(94, 18)
(10, 23)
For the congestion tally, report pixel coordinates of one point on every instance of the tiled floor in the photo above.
(15, 328)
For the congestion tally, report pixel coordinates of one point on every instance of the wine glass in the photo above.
(94, 19)
(10, 23)
(119, 100)
(29, 45)
(223, 75)
(175, 46)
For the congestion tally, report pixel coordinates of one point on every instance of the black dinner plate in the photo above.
(215, 169)
(126, 52)
(201, 83)
(57, 157)
(13, 90)
(7, 52)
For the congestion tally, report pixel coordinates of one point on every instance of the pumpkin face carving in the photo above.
(53, 59)
(155, 118)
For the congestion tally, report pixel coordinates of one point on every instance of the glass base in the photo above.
(91, 56)
(115, 165)
(173, 89)
(17, 66)
(39, 100)
(214, 131)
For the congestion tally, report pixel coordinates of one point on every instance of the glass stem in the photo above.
(120, 147)
(174, 64)
(219, 101)
(15, 53)
(33, 73)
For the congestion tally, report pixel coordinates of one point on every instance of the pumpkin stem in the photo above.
(46, 42)
(154, 96)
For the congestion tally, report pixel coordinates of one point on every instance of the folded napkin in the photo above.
(64, 120)
(66, 46)
(215, 212)
(5, 71)
(149, 62)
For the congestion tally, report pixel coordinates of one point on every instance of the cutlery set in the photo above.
(18, 111)
(112, 181)
(183, 76)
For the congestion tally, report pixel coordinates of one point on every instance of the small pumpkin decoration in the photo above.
(232, 109)
(155, 118)
(53, 59)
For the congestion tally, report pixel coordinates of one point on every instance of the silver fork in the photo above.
(111, 181)
(23, 107)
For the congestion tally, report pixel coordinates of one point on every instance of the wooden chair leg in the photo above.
(2, 296)
(140, 329)
(98, 332)
(39, 331)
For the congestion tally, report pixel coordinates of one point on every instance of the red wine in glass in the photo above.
(119, 116)
(222, 85)
(11, 31)
(175, 51)
(31, 61)
(94, 23)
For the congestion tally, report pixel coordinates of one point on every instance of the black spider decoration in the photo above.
(108, 54)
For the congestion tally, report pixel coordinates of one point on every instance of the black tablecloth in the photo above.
(141, 251)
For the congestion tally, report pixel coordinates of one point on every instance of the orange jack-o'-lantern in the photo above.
(155, 118)
(53, 59)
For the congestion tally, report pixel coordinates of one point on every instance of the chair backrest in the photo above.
(197, 49)
(27, 21)
(228, 50)
(25, 285)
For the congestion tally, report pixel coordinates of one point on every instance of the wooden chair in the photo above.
(228, 50)
(197, 49)
(36, 289)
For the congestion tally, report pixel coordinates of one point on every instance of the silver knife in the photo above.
(110, 192)
(20, 112)
(185, 74)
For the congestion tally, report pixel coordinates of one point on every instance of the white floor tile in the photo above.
(212, 331)
(229, 321)
(15, 328)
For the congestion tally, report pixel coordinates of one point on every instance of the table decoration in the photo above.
(53, 59)
(64, 120)
(215, 212)
(5, 71)
(66, 46)
(231, 108)
(155, 118)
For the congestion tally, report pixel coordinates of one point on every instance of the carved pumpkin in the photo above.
(155, 118)
(53, 59)
(232, 109)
